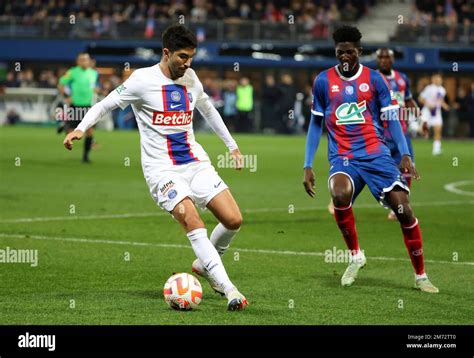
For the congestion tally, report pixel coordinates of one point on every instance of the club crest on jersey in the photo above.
(190, 96)
(351, 113)
(364, 87)
(349, 90)
(175, 96)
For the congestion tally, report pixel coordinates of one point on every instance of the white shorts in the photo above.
(433, 120)
(199, 181)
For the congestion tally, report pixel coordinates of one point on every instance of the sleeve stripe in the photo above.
(316, 113)
(388, 108)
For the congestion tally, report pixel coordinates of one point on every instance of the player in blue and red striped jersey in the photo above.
(400, 86)
(353, 101)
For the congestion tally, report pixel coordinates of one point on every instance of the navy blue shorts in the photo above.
(381, 174)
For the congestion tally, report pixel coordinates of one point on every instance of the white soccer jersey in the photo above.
(164, 112)
(433, 96)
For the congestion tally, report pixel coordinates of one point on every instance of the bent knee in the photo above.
(342, 198)
(234, 222)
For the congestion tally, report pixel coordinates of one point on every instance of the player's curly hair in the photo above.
(347, 34)
(177, 37)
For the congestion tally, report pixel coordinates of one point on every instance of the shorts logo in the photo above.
(364, 87)
(171, 119)
(217, 185)
(349, 90)
(167, 186)
(175, 96)
(350, 113)
(190, 96)
(172, 194)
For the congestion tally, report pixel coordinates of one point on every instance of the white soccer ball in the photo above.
(182, 292)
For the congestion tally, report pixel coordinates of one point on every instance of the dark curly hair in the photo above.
(347, 34)
(177, 37)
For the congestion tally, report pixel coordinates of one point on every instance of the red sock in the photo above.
(346, 222)
(414, 244)
(408, 179)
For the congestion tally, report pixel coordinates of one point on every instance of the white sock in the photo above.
(436, 146)
(210, 259)
(221, 238)
(424, 275)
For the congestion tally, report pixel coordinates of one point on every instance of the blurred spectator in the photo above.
(270, 98)
(244, 105)
(229, 111)
(12, 117)
(462, 111)
(11, 80)
(26, 78)
(470, 109)
(286, 105)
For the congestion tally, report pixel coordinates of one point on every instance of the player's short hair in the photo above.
(177, 37)
(390, 51)
(347, 34)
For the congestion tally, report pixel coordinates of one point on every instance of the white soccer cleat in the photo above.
(425, 285)
(357, 262)
(236, 301)
(199, 270)
(391, 216)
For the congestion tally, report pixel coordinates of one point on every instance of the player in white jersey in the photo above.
(432, 98)
(178, 171)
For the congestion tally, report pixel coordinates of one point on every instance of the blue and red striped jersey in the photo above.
(352, 109)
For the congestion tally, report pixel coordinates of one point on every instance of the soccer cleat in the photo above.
(199, 270)
(425, 285)
(392, 216)
(331, 207)
(352, 270)
(236, 301)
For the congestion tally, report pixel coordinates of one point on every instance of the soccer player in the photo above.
(83, 83)
(178, 171)
(432, 98)
(400, 86)
(353, 100)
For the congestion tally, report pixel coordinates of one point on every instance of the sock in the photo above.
(346, 222)
(408, 179)
(436, 146)
(414, 244)
(87, 147)
(210, 259)
(221, 238)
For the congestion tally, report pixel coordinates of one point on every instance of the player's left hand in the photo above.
(407, 167)
(238, 159)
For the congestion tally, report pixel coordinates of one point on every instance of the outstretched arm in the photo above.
(313, 138)
(212, 116)
(94, 114)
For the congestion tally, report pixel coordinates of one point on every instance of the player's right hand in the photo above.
(309, 182)
(74, 135)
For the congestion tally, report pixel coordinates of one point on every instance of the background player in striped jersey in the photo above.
(178, 171)
(432, 99)
(353, 100)
(400, 86)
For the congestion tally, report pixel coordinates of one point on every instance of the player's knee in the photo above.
(405, 214)
(234, 222)
(341, 198)
(192, 222)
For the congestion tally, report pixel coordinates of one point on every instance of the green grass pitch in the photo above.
(96, 266)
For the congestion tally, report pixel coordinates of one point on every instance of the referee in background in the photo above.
(83, 84)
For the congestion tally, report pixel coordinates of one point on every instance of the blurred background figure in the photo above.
(286, 103)
(244, 105)
(269, 108)
(229, 111)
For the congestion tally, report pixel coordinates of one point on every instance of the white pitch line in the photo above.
(178, 246)
(247, 211)
(453, 187)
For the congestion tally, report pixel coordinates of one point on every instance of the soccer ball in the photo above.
(182, 292)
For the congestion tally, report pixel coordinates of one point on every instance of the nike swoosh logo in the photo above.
(217, 185)
(175, 105)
